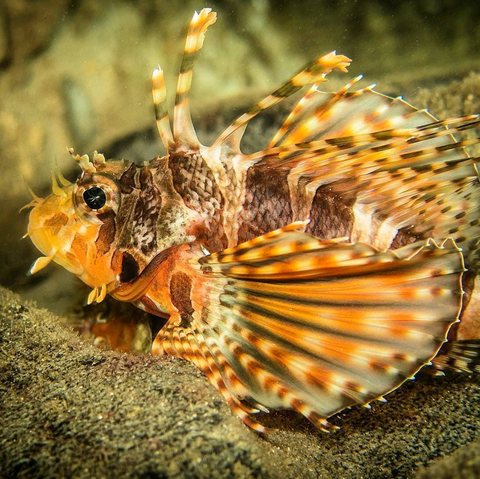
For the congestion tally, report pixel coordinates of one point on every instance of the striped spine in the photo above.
(314, 72)
(159, 93)
(183, 129)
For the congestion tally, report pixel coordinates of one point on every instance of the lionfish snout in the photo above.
(48, 227)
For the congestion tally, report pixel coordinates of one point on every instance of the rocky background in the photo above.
(76, 73)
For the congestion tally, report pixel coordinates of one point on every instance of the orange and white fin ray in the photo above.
(159, 93)
(347, 113)
(304, 109)
(293, 115)
(378, 141)
(183, 130)
(289, 321)
(383, 155)
(189, 343)
(459, 356)
(314, 72)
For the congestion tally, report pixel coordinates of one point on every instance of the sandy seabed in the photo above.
(69, 409)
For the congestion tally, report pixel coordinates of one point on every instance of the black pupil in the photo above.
(95, 197)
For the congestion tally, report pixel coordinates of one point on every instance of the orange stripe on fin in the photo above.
(345, 325)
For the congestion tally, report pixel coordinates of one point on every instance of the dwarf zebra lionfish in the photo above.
(318, 273)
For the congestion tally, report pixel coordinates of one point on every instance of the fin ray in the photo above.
(314, 72)
(183, 130)
(162, 119)
(382, 155)
(267, 330)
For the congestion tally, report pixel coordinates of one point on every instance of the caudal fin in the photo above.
(459, 356)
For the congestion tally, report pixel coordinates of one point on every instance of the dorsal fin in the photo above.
(183, 130)
(314, 72)
(395, 164)
(159, 93)
(302, 105)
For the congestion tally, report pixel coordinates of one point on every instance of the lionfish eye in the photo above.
(95, 197)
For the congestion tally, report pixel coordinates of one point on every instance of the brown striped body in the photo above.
(267, 200)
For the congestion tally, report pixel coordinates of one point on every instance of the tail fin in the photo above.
(459, 356)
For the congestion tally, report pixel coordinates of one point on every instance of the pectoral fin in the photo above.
(288, 321)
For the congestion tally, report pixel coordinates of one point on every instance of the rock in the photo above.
(464, 463)
(70, 409)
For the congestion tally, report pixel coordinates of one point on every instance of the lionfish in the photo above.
(318, 273)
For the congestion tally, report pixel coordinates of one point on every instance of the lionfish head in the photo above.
(75, 225)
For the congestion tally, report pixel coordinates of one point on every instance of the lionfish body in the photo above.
(318, 273)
